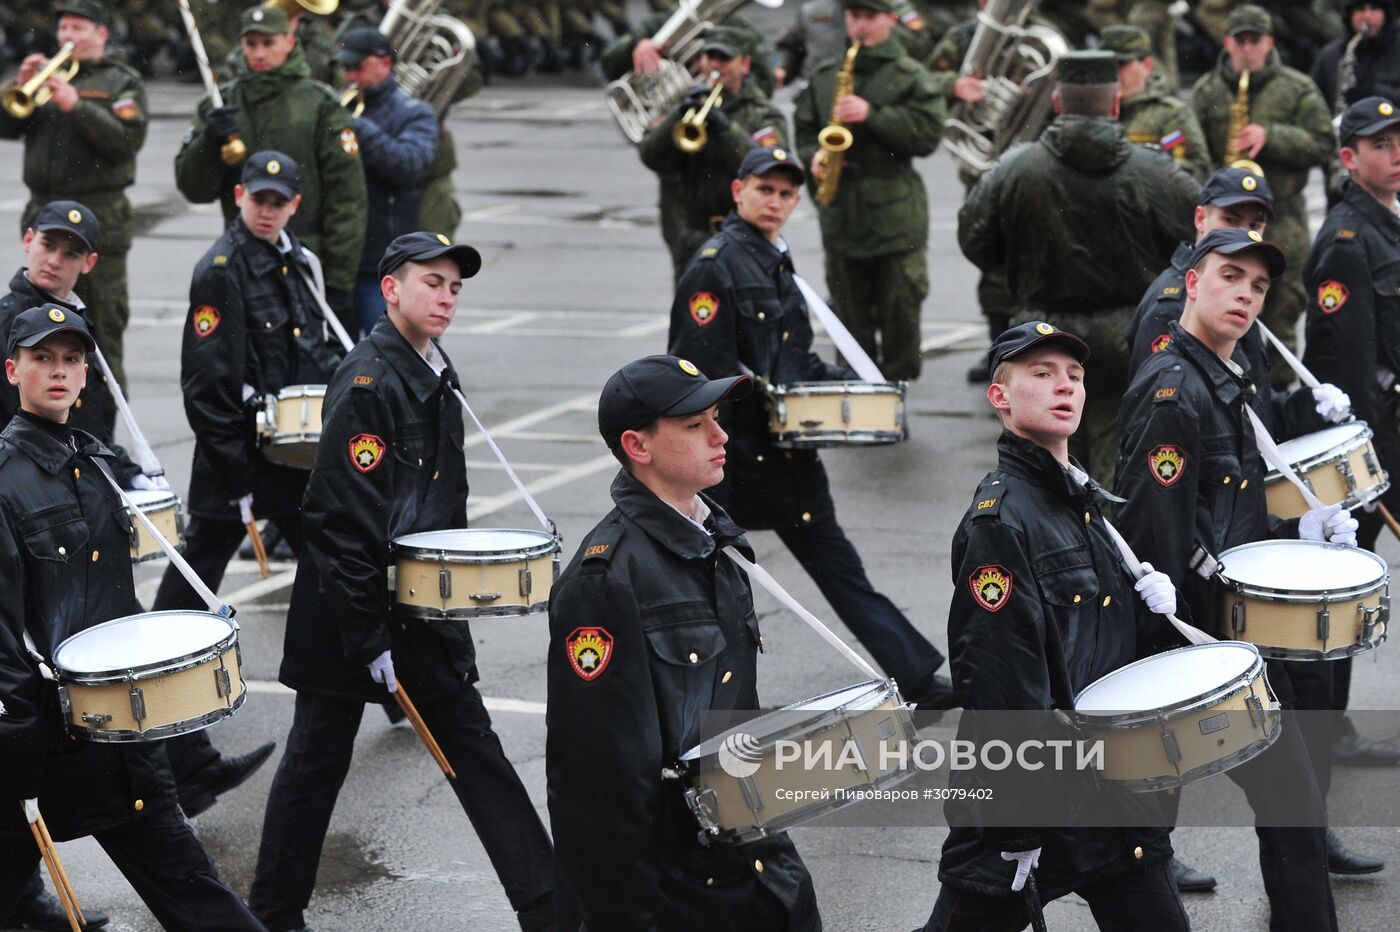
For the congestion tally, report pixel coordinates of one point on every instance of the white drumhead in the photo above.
(858, 698)
(151, 499)
(143, 640)
(301, 391)
(474, 540)
(1310, 445)
(1301, 566)
(1167, 680)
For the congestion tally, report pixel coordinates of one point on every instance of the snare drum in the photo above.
(163, 508)
(1339, 464)
(289, 426)
(1303, 599)
(150, 676)
(837, 414)
(475, 572)
(1180, 716)
(735, 809)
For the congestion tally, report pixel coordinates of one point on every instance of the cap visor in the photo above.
(1370, 129)
(1231, 200)
(1076, 347)
(269, 184)
(467, 258)
(42, 335)
(349, 57)
(1273, 255)
(710, 394)
(64, 228)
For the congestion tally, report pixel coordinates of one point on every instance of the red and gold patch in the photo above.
(348, 142)
(991, 586)
(1167, 463)
(704, 307)
(1161, 343)
(206, 320)
(589, 650)
(1331, 295)
(366, 452)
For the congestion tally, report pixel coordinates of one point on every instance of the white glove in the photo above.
(1329, 523)
(1333, 404)
(381, 670)
(31, 810)
(245, 508)
(1025, 862)
(1157, 591)
(144, 483)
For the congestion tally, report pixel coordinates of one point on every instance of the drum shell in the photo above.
(1292, 630)
(289, 426)
(836, 414)
(520, 583)
(169, 518)
(1349, 473)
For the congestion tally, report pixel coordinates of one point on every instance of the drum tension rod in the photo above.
(1324, 623)
(96, 718)
(223, 683)
(1344, 467)
(1170, 745)
(1237, 618)
(1373, 465)
(527, 583)
(138, 703)
(846, 410)
(1256, 709)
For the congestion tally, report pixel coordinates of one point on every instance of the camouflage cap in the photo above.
(94, 10)
(1088, 67)
(879, 6)
(1249, 18)
(727, 41)
(1127, 43)
(269, 20)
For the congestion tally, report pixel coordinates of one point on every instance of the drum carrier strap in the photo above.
(519, 486)
(144, 454)
(845, 343)
(1134, 566)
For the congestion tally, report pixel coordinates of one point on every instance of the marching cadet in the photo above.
(738, 310)
(1287, 131)
(1042, 607)
(694, 185)
(1352, 340)
(635, 51)
(82, 145)
(819, 34)
(276, 106)
(650, 627)
(253, 328)
(389, 463)
(66, 569)
(875, 232)
(1151, 114)
(1193, 481)
(1084, 185)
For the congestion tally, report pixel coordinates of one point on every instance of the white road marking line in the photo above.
(518, 467)
(953, 337)
(586, 402)
(493, 703)
(646, 328)
(500, 323)
(494, 503)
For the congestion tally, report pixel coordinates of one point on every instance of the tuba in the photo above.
(434, 52)
(293, 7)
(639, 101)
(1017, 65)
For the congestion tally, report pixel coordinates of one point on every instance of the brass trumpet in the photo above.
(353, 99)
(21, 100)
(691, 135)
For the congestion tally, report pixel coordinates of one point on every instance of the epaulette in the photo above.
(124, 68)
(713, 247)
(603, 543)
(1344, 236)
(5, 451)
(990, 496)
(1168, 385)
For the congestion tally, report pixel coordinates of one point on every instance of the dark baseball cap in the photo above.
(1127, 43)
(1033, 333)
(37, 324)
(270, 170)
(727, 41)
(361, 43)
(1231, 240)
(1230, 186)
(879, 6)
(659, 386)
(1367, 116)
(1249, 18)
(424, 247)
(269, 20)
(762, 160)
(72, 218)
(87, 9)
(1087, 67)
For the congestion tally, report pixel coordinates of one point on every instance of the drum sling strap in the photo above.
(846, 344)
(144, 454)
(505, 464)
(1134, 566)
(332, 321)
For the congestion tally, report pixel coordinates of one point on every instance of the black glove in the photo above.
(221, 123)
(718, 121)
(696, 98)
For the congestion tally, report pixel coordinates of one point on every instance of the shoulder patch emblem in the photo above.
(366, 452)
(1166, 463)
(986, 503)
(709, 251)
(1346, 234)
(589, 651)
(220, 260)
(1173, 140)
(363, 380)
(991, 586)
(704, 307)
(348, 142)
(1171, 290)
(597, 550)
(206, 320)
(1167, 392)
(1331, 295)
(1161, 343)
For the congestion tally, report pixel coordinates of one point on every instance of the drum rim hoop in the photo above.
(161, 732)
(125, 673)
(302, 390)
(1332, 454)
(549, 544)
(840, 387)
(1184, 706)
(1303, 595)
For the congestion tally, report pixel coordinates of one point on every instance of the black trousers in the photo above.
(1132, 901)
(209, 546)
(163, 861)
(313, 768)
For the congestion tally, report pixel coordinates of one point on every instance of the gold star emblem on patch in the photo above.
(274, 167)
(1249, 182)
(687, 367)
(444, 240)
(1044, 329)
(56, 315)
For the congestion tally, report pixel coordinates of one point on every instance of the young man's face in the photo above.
(89, 38)
(49, 376)
(1368, 16)
(265, 52)
(1241, 216)
(372, 71)
(1042, 398)
(1227, 294)
(682, 455)
(1374, 161)
(266, 213)
(425, 301)
(766, 201)
(732, 71)
(869, 27)
(55, 260)
(1248, 51)
(1133, 75)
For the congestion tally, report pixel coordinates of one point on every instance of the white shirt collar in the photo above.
(700, 515)
(434, 358)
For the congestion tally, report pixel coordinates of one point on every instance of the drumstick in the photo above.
(50, 858)
(259, 550)
(61, 879)
(1390, 521)
(421, 727)
(1037, 912)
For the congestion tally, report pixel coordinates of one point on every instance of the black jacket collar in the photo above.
(264, 258)
(744, 234)
(1030, 461)
(667, 526)
(51, 447)
(1373, 211)
(25, 289)
(1181, 259)
(412, 368)
(1225, 385)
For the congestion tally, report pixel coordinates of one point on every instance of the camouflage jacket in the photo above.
(616, 58)
(1156, 118)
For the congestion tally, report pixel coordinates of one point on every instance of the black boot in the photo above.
(1356, 751)
(1342, 860)
(42, 910)
(1190, 880)
(538, 916)
(200, 790)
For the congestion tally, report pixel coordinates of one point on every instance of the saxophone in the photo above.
(1239, 119)
(835, 138)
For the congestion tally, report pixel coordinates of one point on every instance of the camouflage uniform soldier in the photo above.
(636, 51)
(820, 33)
(317, 42)
(82, 145)
(1151, 114)
(875, 231)
(1289, 131)
(274, 105)
(695, 191)
(1083, 186)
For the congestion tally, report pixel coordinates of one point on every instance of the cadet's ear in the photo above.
(10, 372)
(1193, 279)
(1117, 107)
(634, 444)
(1055, 99)
(996, 394)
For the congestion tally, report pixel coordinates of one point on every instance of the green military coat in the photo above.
(1156, 118)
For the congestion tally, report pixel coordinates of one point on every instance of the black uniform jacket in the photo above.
(1377, 62)
(1353, 318)
(1042, 607)
(738, 310)
(252, 321)
(651, 626)
(89, 410)
(1189, 468)
(390, 463)
(65, 565)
